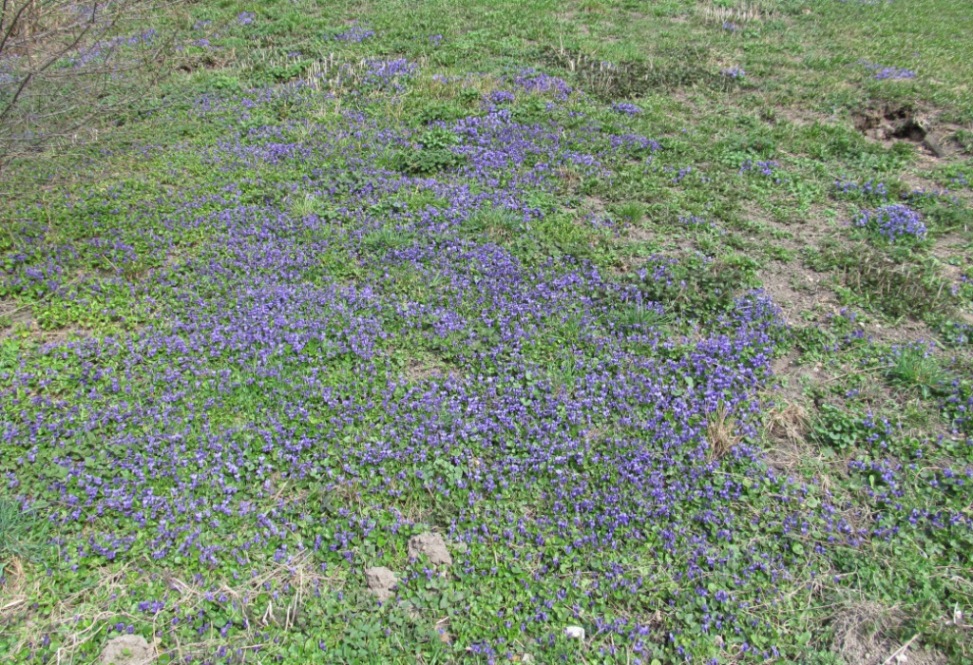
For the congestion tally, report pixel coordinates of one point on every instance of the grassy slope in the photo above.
(256, 339)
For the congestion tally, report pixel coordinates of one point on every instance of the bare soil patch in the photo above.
(797, 290)
(889, 123)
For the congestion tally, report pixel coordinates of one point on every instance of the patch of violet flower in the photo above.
(355, 35)
(868, 189)
(765, 167)
(626, 108)
(893, 222)
(532, 80)
(882, 73)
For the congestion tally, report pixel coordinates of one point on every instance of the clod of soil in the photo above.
(127, 650)
(380, 581)
(433, 546)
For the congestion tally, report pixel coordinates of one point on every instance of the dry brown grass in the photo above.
(785, 432)
(51, 105)
(748, 11)
(789, 421)
(84, 617)
(721, 433)
(11, 593)
(863, 634)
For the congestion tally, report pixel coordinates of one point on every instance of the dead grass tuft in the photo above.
(788, 422)
(721, 433)
(11, 592)
(864, 634)
(746, 12)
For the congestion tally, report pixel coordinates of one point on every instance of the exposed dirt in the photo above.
(17, 319)
(127, 650)
(802, 117)
(889, 123)
(13, 316)
(797, 291)
(422, 370)
(952, 247)
(432, 546)
(795, 236)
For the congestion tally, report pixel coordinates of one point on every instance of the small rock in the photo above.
(574, 632)
(433, 546)
(127, 650)
(526, 659)
(380, 581)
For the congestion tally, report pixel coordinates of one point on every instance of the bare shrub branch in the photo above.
(65, 63)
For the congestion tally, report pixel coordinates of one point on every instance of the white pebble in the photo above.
(574, 632)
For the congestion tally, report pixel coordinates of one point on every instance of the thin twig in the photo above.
(900, 650)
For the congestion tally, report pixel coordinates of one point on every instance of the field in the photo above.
(599, 331)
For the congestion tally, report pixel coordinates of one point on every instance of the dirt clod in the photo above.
(380, 581)
(433, 546)
(127, 650)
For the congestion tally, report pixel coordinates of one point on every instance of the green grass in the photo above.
(23, 534)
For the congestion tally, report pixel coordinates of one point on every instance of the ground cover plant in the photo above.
(532, 332)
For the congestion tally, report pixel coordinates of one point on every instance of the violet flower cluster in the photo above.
(882, 73)
(355, 34)
(867, 189)
(766, 168)
(103, 50)
(388, 74)
(626, 108)
(532, 80)
(893, 222)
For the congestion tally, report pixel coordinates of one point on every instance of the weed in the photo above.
(24, 535)
(914, 366)
(433, 153)
(839, 430)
